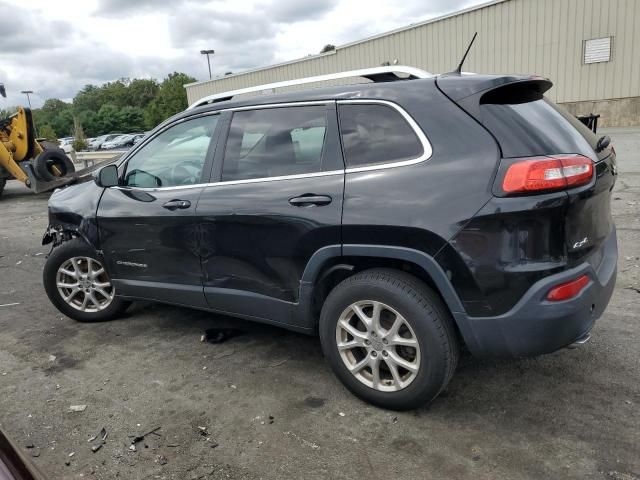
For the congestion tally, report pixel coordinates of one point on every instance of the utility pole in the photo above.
(27, 92)
(207, 53)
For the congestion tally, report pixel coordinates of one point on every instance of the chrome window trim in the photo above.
(427, 151)
(237, 182)
(365, 72)
(426, 145)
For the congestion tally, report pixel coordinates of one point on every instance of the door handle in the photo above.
(177, 204)
(309, 200)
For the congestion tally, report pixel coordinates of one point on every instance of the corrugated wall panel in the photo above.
(514, 36)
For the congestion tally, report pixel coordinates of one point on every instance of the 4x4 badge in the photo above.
(580, 243)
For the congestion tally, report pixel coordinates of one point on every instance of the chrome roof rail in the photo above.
(376, 74)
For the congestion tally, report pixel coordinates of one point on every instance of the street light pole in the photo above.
(207, 53)
(27, 92)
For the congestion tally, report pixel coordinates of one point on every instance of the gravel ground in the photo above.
(270, 404)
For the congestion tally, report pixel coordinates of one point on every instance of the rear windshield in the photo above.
(537, 127)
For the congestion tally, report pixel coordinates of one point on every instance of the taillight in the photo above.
(547, 173)
(567, 290)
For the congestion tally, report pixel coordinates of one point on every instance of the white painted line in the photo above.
(10, 304)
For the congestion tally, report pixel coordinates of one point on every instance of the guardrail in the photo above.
(89, 159)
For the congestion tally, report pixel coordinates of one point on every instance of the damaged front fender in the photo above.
(72, 213)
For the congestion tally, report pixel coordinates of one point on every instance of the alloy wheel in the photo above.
(378, 346)
(84, 284)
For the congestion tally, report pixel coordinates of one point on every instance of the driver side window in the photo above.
(173, 158)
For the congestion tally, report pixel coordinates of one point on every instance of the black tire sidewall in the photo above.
(425, 322)
(57, 155)
(75, 248)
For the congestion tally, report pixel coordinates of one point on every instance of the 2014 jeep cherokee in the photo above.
(401, 219)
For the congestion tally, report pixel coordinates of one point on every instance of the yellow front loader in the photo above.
(41, 167)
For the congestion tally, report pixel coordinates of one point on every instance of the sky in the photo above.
(56, 47)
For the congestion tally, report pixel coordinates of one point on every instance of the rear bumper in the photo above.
(536, 326)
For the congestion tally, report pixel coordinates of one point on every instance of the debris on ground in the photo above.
(102, 439)
(162, 460)
(304, 442)
(52, 358)
(10, 304)
(30, 445)
(271, 419)
(278, 363)
(138, 438)
(96, 447)
(342, 414)
(635, 289)
(173, 445)
(220, 335)
(35, 453)
(203, 431)
(77, 408)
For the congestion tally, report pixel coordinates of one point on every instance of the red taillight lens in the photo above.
(548, 173)
(568, 290)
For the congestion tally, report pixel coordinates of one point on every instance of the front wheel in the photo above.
(389, 338)
(77, 284)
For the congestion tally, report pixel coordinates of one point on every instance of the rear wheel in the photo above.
(389, 338)
(78, 285)
(53, 164)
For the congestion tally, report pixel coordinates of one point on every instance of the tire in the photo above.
(48, 159)
(424, 321)
(3, 182)
(107, 307)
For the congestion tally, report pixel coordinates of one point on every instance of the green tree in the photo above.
(171, 99)
(57, 114)
(108, 119)
(46, 131)
(328, 48)
(141, 92)
(79, 140)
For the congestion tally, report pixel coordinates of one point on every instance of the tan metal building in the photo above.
(590, 49)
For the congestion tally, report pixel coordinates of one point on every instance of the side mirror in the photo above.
(107, 176)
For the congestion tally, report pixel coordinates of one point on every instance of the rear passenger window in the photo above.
(275, 142)
(374, 134)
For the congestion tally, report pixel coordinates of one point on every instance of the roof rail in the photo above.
(376, 74)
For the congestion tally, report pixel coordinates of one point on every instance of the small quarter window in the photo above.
(274, 142)
(373, 134)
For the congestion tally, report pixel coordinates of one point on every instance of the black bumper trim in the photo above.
(536, 326)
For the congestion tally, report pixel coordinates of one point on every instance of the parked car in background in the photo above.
(401, 220)
(97, 142)
(66, 144)
(122, 141)
(138, 137)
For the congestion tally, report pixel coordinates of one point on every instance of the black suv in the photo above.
(402, 219)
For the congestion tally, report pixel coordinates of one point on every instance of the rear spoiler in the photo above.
(469, 91)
